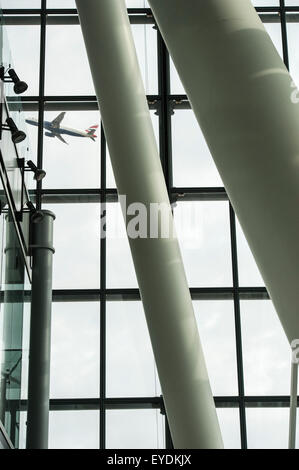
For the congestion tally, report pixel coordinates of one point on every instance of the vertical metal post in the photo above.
(40, 332)
(293, 406)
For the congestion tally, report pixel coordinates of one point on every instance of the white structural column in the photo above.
(247, 107)
(158, 264)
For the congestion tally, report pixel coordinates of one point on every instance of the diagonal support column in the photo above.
(247, 107)
(158, 264)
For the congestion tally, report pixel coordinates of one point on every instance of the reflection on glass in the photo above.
(267, 428)
(74, 429)
(25, 348)
(192, 162)
(135, 429)
(229, 422)
(120, 268)
(145, 38)
(75, 161)
(75, 351)
(137, 4)
(77, 246)
(72, 4)
(130, 366)
(28, 148)
(266, 351)
(215, 320)
(204, 236)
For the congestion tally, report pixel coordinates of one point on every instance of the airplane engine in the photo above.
(49, 134)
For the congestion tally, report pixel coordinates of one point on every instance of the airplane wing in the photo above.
(56, 122)
(61, 138)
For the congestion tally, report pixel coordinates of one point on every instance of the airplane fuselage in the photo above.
(59, 130)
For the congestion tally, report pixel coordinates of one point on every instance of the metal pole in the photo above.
(247, 107)
(3, 383)
(293, 406)
(138, 173)
(40, 332)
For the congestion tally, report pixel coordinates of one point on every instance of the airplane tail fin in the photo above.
(91, 132)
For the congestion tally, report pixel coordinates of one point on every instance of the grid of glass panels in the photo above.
(105, 390)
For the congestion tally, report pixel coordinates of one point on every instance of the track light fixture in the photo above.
(39, 174)
(17, 136)
(36, 215)
(19, 85)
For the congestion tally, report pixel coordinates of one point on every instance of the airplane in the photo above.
(56, 131)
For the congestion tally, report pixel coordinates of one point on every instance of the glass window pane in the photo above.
(77, 246)
(293, 37)
(137, 4)
(274, 30)
(76, 80)
(229, 422)
(27, 148)
(135, 429)
(74, 429)
(75, 350)
(266, 351)
(72, 4)
(193, 164)
(249, 275)
(265, 3)
(61, 4)
(204, 236)
(20, 3)
(145, 37)
(131, 369)
(24, 43)
(215, 320)
(77, 164)
(267, 428)
(176, 86)
(120, 268)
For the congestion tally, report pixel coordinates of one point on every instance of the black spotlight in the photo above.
(19, 87)
(17, 136)
(39, 174)
(36, 215)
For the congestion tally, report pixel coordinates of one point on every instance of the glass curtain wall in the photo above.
(105, 390)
